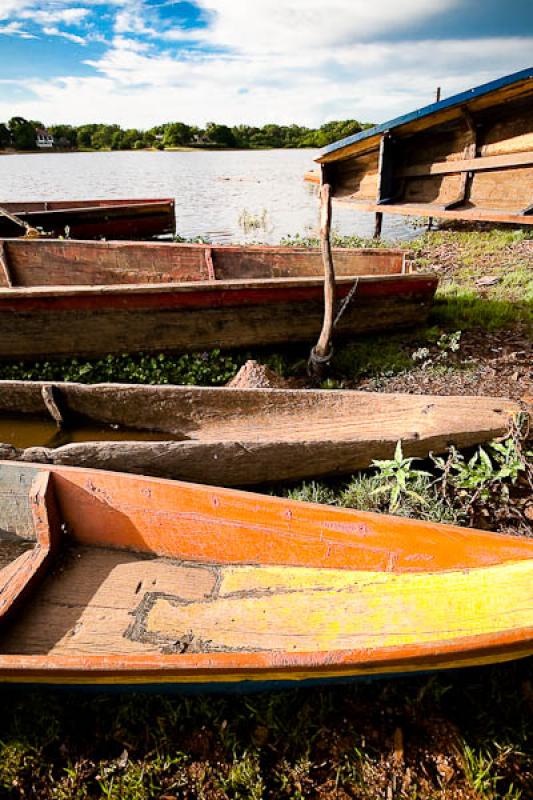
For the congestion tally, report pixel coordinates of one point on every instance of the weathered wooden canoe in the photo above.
(90, 298)
(93, 219)
(149, 582)
(467, 157)
(312, 176)
(233, 437)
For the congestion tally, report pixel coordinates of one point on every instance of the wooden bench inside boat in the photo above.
(201, 581)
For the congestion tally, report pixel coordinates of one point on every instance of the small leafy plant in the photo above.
(399, 477)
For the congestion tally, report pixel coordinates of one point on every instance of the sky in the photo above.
(141, 63)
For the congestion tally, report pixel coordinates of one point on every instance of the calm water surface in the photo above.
(212, 189)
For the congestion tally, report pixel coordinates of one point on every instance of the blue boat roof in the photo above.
(432, 108)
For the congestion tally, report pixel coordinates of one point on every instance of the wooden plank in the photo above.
(53, 262)
(87, 607)
(18, 578)
(209, 262)
(480, 164)
(430, 209)
(90, 323)
(469, 153)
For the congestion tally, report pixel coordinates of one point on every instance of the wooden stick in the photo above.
(378, 224)
(322, 352)
(20, 222)
(51, 399)
(5, 273)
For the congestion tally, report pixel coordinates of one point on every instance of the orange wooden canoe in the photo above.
(112, 579)
(93, 219)
(60, 298)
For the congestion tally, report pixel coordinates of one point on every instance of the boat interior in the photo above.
(103, 564)
(34, 263)
(470, 162)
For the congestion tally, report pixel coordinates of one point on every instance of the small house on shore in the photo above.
(43, 140)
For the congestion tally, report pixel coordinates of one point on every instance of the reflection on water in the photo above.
(33, 431)
(214, 191)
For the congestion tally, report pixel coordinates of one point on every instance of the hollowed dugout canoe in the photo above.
(467, 157)
(136, 581)
(91, 298)
(234, 437)
(93, 219)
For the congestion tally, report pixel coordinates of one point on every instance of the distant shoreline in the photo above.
(184, 149)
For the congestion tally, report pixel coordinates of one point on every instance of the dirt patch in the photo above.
(253, 375)
(496, 364)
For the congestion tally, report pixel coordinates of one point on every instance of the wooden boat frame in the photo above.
(467, 157)
(130, 297)
(234, 437)
(121, 516)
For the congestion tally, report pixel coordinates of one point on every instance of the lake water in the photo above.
(213, 190)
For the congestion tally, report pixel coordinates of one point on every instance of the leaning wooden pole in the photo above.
(321, 354)
(29, 231)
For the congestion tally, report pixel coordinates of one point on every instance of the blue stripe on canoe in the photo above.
(426, 111)
(240, 687)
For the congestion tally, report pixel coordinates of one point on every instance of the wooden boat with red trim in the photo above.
(132, 581)
(234, 437)
(93, 219)
(466, 157)
(90, 298)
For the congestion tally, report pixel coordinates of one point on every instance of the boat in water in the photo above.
(91, 219)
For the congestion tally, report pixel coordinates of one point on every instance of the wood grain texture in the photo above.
(91, 320)
(19, 577)
(70, 263)
(245, 436)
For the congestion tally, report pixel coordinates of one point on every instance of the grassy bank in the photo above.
(463, 735)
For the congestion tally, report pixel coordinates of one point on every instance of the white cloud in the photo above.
(304, 61)
(137, 87)
(272, 26)
(16, 29)
(71, 37)
(66, 16)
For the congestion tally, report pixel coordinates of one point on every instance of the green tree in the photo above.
(176, 134)
(23, 133)
(220, 134)
(5, 136)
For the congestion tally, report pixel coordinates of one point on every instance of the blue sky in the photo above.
(143, 62)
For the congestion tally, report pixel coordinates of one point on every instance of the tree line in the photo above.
(20, 134)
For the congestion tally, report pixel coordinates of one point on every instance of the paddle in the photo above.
(30, 232)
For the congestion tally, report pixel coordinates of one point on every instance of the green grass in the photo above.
(457, 308)
(302, 743)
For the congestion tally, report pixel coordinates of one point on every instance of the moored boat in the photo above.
(91, 298)
(234, 437)
(92, 219)
(112, 579)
